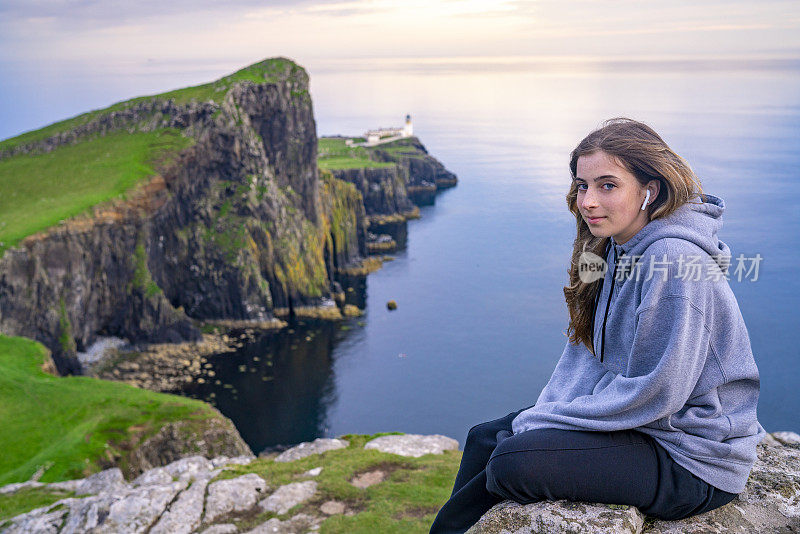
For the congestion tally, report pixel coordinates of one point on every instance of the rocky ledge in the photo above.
(214, 496)
(194, 495)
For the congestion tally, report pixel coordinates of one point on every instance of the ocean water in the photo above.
(481, 316)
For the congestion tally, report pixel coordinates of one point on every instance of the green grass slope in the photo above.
(334, 154)
(406, 501)
(40, 190)
(70, 424)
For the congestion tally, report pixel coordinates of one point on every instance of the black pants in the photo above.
(624, 467)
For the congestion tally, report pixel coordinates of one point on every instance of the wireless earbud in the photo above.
(646, 198)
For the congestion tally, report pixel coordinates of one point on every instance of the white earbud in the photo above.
(646, 198)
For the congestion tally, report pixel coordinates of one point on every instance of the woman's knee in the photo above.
(482, 433)
(490, 428)
(477, 431)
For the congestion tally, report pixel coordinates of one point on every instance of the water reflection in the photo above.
(276, 389)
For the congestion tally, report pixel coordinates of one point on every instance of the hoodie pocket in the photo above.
(704, 426)
(703, 417)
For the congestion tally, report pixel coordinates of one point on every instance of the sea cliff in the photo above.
(235, 222)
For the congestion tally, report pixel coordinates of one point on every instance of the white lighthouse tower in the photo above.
(408, 129)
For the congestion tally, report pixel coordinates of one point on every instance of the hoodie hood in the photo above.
(695, 221)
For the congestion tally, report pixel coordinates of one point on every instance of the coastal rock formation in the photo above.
(185, 496)
(228, 229)
(238, 225)
(383, 189)
(424, 175)
(233, 495)
(412, 180)
(179, 439)
(165, 499)
(287, 497)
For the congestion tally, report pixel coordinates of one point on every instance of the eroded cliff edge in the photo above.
(238, 225)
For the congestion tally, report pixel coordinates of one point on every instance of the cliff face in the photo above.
(383, 189)
(231, 227)
(423, 174)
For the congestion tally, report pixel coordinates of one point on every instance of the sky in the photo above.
(59, 43)
(204, 29)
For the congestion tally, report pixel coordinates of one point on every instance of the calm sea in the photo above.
(481, 316)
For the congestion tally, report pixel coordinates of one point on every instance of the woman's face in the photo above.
(610, 197)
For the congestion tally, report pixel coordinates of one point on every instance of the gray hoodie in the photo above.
(672, 353)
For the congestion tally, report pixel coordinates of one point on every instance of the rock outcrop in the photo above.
(424, 175)
(180, 439)
(308, 448)
(414, 445)
(165, 499)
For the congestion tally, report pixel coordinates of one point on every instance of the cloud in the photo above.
(114, 11)
(116, 30)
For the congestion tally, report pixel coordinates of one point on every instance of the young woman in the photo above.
(653, 401)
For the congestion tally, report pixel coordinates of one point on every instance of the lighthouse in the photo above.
(387, 135)
(408, 129)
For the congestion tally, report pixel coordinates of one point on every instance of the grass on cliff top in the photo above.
(69, 424)
(334, 154)
(38, 191)
(406, 501)
(267, 71)
(400, 147)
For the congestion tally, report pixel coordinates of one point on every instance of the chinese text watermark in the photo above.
(690, 267)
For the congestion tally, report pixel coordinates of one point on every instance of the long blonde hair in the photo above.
(639, 149)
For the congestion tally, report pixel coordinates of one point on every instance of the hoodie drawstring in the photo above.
(597, 296)
(611, 292)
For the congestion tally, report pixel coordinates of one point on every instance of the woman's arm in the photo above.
(576, 373)
(669, 351)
